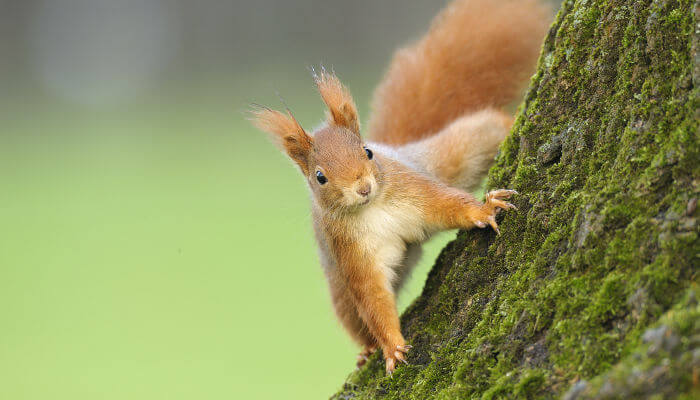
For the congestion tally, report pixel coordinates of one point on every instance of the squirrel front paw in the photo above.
(364, 355)
(495, 201)
(395, 354)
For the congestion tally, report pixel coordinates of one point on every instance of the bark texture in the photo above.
(591, 290)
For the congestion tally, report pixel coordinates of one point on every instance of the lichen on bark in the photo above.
(604, 247)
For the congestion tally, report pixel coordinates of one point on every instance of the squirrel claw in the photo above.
(494, 225)
(390, 366)
(496, 201)
(500, 194)
(398, 355)
(363, 357)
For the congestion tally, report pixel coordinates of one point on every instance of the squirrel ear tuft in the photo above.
(287, 132)
(341, 106)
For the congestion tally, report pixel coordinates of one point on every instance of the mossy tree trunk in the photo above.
(590, 290)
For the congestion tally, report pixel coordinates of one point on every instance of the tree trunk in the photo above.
(591, 289)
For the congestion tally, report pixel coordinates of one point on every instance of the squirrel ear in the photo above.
(341, 107)
(287, 132)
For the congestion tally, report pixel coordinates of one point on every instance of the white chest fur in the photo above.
(384, 229)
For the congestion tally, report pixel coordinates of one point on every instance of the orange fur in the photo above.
(462, 152)
(287, 133)
(373, 204)
(364, 240)
(476, 54)
(341, 106)
(372, 299)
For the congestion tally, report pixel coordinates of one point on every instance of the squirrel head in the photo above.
(341, 171)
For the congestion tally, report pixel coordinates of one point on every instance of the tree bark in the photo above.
(591, 289)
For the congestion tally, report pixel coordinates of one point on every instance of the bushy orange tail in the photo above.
(476, 54)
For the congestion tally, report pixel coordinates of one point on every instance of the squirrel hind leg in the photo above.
(413, 253)
(461, 154)
(365, 354)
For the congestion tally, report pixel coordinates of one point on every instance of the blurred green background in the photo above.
(153, 245)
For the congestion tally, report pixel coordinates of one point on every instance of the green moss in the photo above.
(662, 363)
(531, 384)
(604, 154)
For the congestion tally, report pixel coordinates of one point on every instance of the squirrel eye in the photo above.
(321, 178)
(369, 153)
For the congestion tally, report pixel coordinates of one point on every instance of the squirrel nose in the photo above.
(364, 190)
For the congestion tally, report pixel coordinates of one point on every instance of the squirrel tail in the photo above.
(476, 54)
(461, 153)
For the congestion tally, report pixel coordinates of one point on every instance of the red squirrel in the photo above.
(434, 133)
